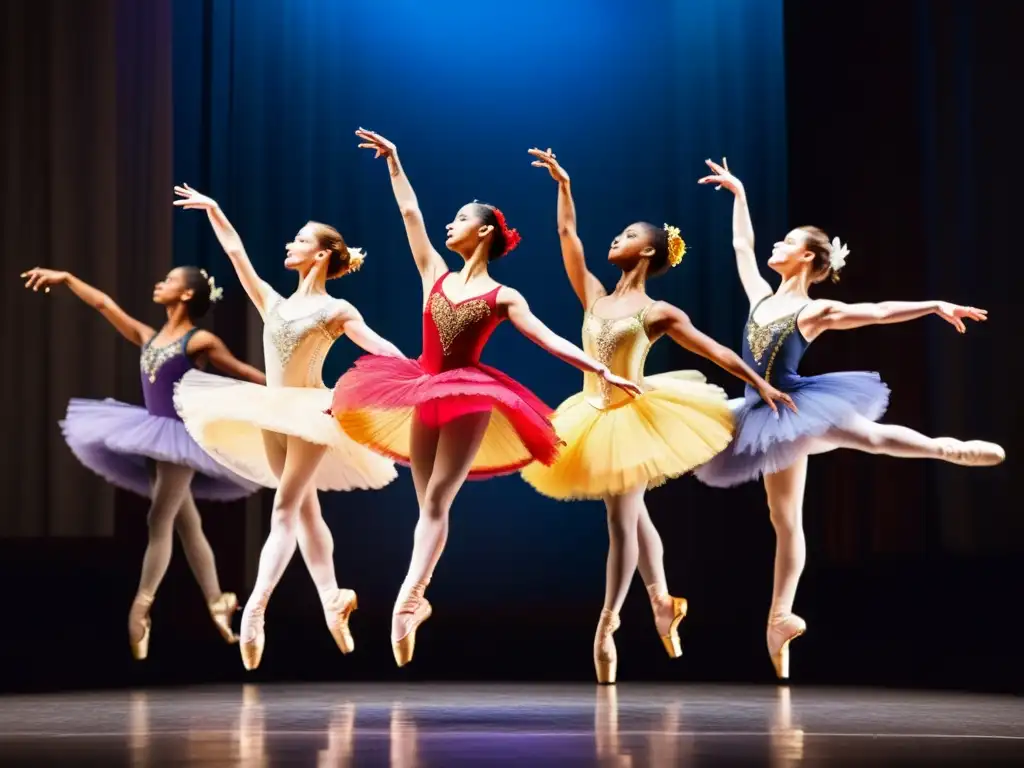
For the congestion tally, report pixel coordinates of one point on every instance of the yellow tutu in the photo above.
(679, 424)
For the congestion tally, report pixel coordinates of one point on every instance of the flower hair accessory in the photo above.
(676, 246)
(216, 294)
(837, 255)
(512, 236)
(356, 257)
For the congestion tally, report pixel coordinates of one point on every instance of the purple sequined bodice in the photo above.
(162, 368)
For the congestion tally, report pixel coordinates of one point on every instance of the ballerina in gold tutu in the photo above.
(616, 446)
(280, 435)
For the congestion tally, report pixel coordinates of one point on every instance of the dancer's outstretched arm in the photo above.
(349, 321)
(588, 288)
(825, 315)
(136, 331)
(663, 318)
(428, 260)
(754, 284)
(512, 303)
(217, 352)
(229, 241)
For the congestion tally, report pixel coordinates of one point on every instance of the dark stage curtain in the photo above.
(903, 141)
(87, 160)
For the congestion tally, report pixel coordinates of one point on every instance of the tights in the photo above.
(441, 459)
(173, 509)
(785, 490)
(296, 521)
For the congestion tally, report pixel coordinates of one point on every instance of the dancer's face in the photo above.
(630, 246)
(467, 230)
(302, 252)
(791, 255)
(172, 289)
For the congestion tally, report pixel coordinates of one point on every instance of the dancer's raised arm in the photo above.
(825, 315)
(663, 318)
(134, 330)
(528, 324)
(754, 284)
(229, 240)
(428, 260)
(588, 288)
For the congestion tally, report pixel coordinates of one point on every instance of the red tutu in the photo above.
(377, 399)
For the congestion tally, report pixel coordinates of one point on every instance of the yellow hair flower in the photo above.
(356, 257)
(676, 246)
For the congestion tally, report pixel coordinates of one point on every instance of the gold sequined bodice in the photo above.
(622, 345)
(294, 349)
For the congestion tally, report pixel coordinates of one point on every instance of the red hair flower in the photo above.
(512, 236)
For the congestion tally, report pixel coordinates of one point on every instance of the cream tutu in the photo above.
(231, 419)
(614, 443)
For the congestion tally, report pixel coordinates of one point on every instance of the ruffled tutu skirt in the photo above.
(228, 418)
(764, 444)
(376, 399)
(680, 423)
(118, 442)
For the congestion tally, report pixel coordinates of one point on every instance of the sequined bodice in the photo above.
(455, 333)
(774, 349)
(161, 368)
(294, 349)
(621, 344)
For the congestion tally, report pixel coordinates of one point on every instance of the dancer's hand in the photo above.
(627, 386)
(376, 142)
(954, 314)
(722, 177)
(192, 199)
(771, 395)
(546, 159)
(38, 277)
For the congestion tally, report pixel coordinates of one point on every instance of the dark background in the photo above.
(891, 124)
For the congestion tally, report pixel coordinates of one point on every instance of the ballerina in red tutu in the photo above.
(447, 415)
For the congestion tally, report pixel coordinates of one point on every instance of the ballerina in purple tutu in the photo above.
(836, 410)
(147, 450)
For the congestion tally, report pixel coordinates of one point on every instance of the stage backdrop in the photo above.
(632, 97)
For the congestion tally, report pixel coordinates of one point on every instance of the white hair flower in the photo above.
(837, 255)
(216, 294)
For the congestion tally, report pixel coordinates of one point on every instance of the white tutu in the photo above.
(227, 418)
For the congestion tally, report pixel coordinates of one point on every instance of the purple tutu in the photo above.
(117, 441)
(764, 444)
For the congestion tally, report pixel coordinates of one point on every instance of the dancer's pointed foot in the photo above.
(139, 625)
(971, 453)
(606, 657)
(669, 613)
(337, 610)
(253, 637)
(409, 614)
(221, 611)
(783, 628)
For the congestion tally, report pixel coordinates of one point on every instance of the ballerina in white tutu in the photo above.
(280, 435)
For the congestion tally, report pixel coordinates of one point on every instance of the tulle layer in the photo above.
(228, 418)
(375, 402)
(764, 444)
(678, 424)
(118, 441)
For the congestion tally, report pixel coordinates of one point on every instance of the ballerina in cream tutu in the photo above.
(279, 435)
(618, 447)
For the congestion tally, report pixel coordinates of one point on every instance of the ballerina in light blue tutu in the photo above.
(147, 450)
(835, 410)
